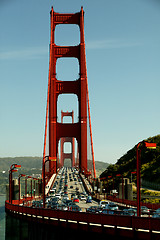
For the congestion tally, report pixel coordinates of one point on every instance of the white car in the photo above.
(103, 203)
(58, 195)
(82, 198)
(65, 198)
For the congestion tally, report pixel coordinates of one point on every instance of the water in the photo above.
(2, 217)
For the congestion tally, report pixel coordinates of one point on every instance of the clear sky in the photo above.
(123, 64)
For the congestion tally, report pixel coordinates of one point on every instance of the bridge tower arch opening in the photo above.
(71, 154)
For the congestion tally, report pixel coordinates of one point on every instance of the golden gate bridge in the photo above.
(57, 134)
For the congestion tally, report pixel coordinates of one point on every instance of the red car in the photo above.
(76, 200)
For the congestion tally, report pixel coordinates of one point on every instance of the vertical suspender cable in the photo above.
(88, 103)
(47, 106)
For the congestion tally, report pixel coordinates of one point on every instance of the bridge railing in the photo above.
(133, 222)
(133, 203)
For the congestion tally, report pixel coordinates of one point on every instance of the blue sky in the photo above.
(123, 57)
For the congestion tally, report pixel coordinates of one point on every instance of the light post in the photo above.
(139, 147)
(31, 188)
(34, 187)
(21, 175)
(103, 179)
(26, 185)
(12, 169)
(121, 175)
(46, 159)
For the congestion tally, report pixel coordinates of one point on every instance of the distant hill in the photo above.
(25, 162)
(150, 163)
(35, 163)
(31, 166)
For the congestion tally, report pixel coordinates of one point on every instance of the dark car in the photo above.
(94, 209)
(89, 199)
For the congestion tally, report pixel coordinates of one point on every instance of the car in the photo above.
(62, 207)
(110, 208)
(75, 200)
(75, 208)
(132, 211)
(81, 197)
(71, 186)
(67, 201)
(48, 198)
(103, 203)
(157, 210)
(89, 199)
(65, 197)
(52, 191)
(70, 204)
(145, 210)
(107, 211)
(54, 205)
(113, 206)
(156, 213)
(58, 195)
(34, 204)
(54, 199)
(73, 195)
(125, 212)
(94, 209)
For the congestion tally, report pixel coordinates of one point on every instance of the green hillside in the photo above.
(29, 165)
(32, 166)
(150, 163)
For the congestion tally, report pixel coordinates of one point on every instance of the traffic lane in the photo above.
(83, 205)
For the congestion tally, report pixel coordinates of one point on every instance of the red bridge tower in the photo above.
(57, 130)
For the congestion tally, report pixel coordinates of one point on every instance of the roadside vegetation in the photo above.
(150, 169)
(150, 163)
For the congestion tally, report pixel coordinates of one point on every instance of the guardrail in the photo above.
(102, 221)
(133, 203)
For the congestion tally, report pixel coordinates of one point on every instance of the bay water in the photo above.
(2, 217)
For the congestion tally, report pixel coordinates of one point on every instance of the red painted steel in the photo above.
(67, 139)
(132, 222)
(78, 87)
(139, 147)
(133, 203)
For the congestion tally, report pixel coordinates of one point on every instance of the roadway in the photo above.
(70, 178)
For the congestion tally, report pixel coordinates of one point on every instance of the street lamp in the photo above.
(12, 169)
(34, 186)
(26, 185)
(139, 147)
(46, 159)
(103, 179)
(21, 175)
